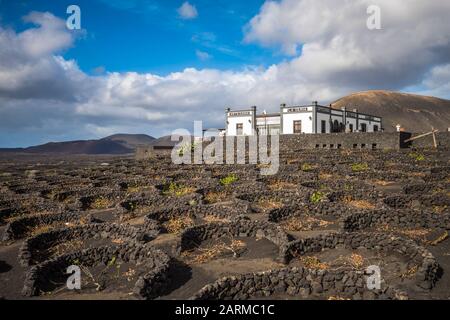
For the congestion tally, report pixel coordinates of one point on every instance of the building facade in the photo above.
(308, 119)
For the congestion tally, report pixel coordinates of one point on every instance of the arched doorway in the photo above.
(335, 126)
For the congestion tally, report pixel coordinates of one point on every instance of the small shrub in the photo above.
(361, 166)
(360, 204)
(270, 204)
(176, 189)
(176, 225)
(317, 196)
(325, 176)
(215, 251)
(133, 189)
(303, 224)
(314, 263)
(213, 197)
(100, 203)
(280, 185)
(417, 156)
(307, 167)
(231, 178)
(409, 273)
(356, 261)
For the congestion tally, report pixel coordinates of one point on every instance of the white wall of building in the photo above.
(351, 121)
(369, 126)
(246, 124)
(268, 120)
(305, 118)
(320, 117)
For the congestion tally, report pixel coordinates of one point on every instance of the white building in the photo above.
(313, 118)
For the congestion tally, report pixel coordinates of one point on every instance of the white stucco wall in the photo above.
(268, 120)
(289, 118)
(320, 117)
(245, 120)
(351, 121)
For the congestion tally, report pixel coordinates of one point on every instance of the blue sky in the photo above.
(149, 36)
(149, 66)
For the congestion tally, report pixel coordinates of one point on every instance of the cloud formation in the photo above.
(336, 44)
(46, 97)
(187, 11)
(202, 55)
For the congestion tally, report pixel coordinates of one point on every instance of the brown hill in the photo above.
(81, 147)
(115, 144)
(413, 112)
(131, 141)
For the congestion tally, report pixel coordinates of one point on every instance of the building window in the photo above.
(323, 126)
(239, 129)
(297, 126)
(363, 127)
(350, 127)
(375, 128)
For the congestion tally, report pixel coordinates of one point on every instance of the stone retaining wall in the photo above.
(427, 272)
(397, 218)
(297, 282)
(17, 228)
(34, 245)
(148, 286)
(239, 227)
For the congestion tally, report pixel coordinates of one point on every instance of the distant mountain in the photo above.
(413, 112)
(81, 147)
(115, 144)
(131, 141)
(165, 141)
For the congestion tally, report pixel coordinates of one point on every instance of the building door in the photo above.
(239, 129)
(323, 126)
(375, 128)
(350, 127)
(335, 126)
(363, 127)
(297, 126)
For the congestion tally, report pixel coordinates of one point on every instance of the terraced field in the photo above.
(154, 230)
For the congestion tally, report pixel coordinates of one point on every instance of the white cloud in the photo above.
(28, 68)
(437, 82)
(187, 11)
(337, 46)
(202, 55)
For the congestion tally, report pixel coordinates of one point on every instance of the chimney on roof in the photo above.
(355, 109)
